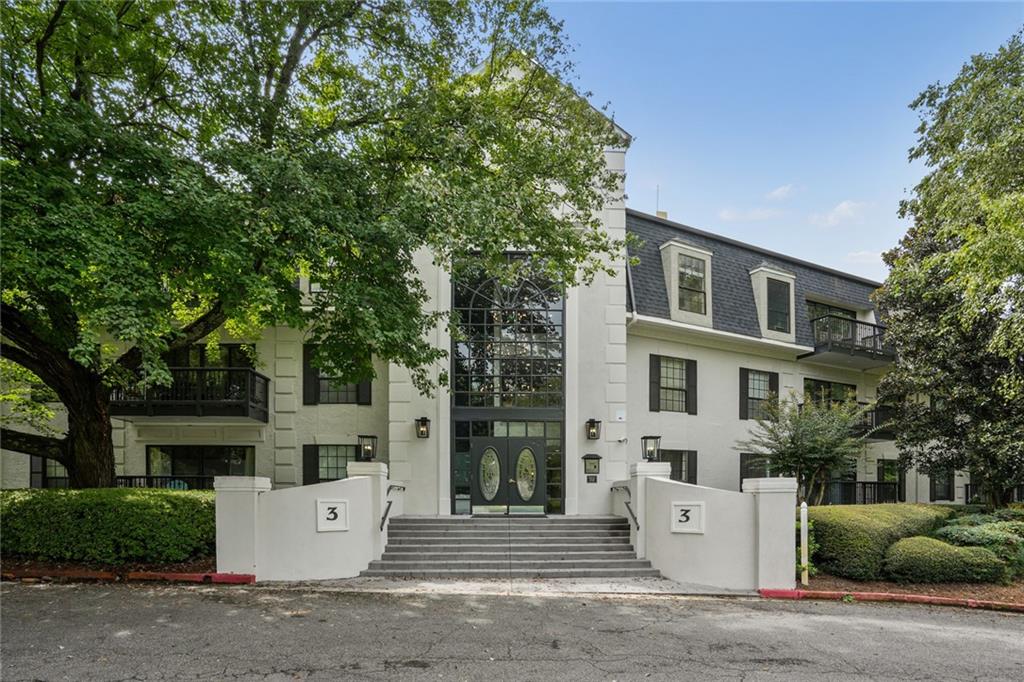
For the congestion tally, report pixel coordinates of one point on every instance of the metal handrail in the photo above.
(629, 507)
(387, 509)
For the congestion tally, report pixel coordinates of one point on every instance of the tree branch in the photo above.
(203, 326)
(51, 26)
(25, 359)
(32, 444)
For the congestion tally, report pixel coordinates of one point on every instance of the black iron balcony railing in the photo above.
(199, 392)
(836, 331)
(876, 423)
(164, 482)
(862, 492)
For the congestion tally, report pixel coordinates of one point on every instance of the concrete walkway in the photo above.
(536, 587)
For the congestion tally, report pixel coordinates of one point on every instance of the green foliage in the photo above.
(107, 526)
(852, 539)
(972, 520)
(24, 399)
(171, 168)
(807, 441)
(1005, 539)
(927, 560)
(1011, 513)
(954, 298)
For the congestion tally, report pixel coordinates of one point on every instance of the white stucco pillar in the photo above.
(775, 533)
(377, 472)
(237, 500)
(638, 475)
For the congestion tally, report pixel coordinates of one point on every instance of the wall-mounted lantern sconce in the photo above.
(593, 429)
(591, 464)
(652, 447)
(367, 448)
(422, 427)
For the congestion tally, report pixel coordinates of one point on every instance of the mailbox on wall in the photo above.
(591, 466)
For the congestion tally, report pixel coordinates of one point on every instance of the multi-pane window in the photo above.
(778, 306)
(510, 353)
(224, 355)
(754, 466)
(333, 460)
(832, 392)
(941, 485)
(683, 464)
(692, 285)
(831, 323)
(330, 390)
(816, 310)
(673, 385)
(200, 460)
(759, 388)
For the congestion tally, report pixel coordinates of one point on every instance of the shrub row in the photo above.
(107, 526)
(927, 560)
(1005, 539)
(853, 539)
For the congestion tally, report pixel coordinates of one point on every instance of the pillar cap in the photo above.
(241, 484)
(769, 485)
(367, 469)
(650, 469)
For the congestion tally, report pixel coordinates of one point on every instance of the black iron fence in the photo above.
(199, 392)
(861, 492)
(163, 482)
(973, 493)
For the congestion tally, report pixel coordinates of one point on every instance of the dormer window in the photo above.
(687, 269)
(779, 314)
(692, 285)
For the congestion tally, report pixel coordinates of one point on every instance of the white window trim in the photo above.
(759, 277)
(670, 253)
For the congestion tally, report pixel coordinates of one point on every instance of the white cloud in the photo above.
(779, 193)
(749, 215)
(864, 257)
(844, 211)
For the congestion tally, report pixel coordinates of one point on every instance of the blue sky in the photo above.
(782, 124)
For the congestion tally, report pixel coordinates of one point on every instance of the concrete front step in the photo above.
(494, 527)
(460, 564)
(508, 519)
(411, 548)
(517, 573)
(391, 555)
(526, 539)
(513, 534)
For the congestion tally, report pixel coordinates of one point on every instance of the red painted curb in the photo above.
(168, 576)
(893, 597)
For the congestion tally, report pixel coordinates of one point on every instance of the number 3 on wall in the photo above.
(331, 515)
(684, 515)
(688, 517)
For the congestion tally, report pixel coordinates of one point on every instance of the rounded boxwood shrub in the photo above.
(1005, 539)
(927, 560)
(852, 539)
(107, 526)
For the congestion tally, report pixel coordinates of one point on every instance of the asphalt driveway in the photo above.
(115, 632)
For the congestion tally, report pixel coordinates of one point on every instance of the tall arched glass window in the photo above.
(511, 353)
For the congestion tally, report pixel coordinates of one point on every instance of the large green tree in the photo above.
(170, 168)
(954, 298)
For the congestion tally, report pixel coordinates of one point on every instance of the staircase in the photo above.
(509, 547)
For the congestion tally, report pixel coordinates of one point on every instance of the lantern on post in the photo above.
(652, 447)
(593, 429)
(367, 448)
(422, 427)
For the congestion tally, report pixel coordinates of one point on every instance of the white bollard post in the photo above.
(804, 562)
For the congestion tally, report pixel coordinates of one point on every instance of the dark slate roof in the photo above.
(732, 296)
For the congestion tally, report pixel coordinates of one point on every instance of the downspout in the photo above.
(632, 296)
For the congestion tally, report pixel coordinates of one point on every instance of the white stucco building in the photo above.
(551, 391)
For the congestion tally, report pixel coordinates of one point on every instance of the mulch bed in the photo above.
(1011, 594)
(63, 570)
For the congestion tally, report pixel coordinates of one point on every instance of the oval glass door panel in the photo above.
(490, 474)
(526, 474)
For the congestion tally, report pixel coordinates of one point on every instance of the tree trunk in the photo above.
(89, 440)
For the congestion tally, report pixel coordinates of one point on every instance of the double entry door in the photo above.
(508, 476)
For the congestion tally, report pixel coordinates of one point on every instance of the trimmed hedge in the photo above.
(852, 539)
(107, 526)
(927, 560)
(1005, 539)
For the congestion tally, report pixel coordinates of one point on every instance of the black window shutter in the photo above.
(931, 488)
(773, 384)
(655, 379)
(37, 472)
(691, 387)
(310, 377)
(310, 464)
(363, 392)
(744, 384)
(691, 466)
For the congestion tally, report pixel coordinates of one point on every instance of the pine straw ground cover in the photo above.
(1012, 593)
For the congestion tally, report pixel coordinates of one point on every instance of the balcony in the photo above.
(876, 424)
(236, 392)
(844, 342)
(862, 492)
(163, 482)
